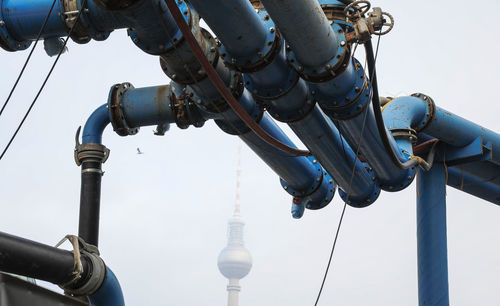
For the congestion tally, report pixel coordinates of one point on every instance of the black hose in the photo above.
(32, 259)
(378, 112)
(90, 200)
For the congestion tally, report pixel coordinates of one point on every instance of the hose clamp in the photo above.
(97, 268)
(89, 152)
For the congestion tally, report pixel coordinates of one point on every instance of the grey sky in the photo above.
(164, 213)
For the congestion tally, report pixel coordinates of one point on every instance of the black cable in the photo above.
(28, 58)
(347, 196)
(84, 3)
(378, 112)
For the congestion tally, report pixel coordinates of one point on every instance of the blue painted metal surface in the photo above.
(299, 173)
(459, 179)
(305, 28)
(147, 106)
(467, 144)
(95, 125)
(246, 35)
(110, 292)
(286, 97)
(431, 237)
(23, 19)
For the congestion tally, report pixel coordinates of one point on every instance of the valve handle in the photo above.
(357, 9)
(389, 25)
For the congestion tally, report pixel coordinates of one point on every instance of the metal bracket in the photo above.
(477, 150)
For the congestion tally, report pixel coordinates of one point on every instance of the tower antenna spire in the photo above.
(235, 260)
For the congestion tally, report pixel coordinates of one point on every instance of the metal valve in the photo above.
(377, 22)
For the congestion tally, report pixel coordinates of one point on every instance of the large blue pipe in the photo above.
(277, 86)
(305, 28)
(23, 19)
(109, 294)
(431, 237)
(344, 95)
(420, 114)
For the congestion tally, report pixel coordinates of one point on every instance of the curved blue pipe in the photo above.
(110, 292)
(95, 125)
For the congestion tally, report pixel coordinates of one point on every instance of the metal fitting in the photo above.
(328, 71)
(430, 113)
(115, 106)
(186, 113)
(96, 266)
(263, 57)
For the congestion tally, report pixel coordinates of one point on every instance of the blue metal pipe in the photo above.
(246, 33)
(95, 125)
(475, 148)
(301, 177)
(277, 86)
(109, 294)
(305, 28)
(148, 106)
(431, 237)
(323, 139)
(343, 97)
(23, 19)
(427, 118)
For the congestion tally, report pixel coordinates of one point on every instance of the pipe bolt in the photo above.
(286, 187)
(2, 23)
(271, 29)
(342, 43)
(315, 161)
(357, 89)
(212, 49)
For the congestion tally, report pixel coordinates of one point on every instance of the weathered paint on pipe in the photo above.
(462, 181)
(95, 125)
(245, 33)
(110, 293)
(431, 237)
(24, 19)
(305, 28)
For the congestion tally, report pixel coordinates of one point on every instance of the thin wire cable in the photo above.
(28, 58)
(348, 194)
(84, 3)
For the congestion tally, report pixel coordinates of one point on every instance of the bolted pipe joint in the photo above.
(264, 55)
(329, 69)
(116, 110)
(405, 117)
(317, 195)
(345, 96)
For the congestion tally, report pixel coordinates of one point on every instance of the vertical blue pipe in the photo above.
(431, 237)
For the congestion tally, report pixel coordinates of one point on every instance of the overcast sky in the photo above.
(164, 213)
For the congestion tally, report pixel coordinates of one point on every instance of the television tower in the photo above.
(235, 260)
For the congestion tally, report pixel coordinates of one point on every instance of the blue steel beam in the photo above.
(432, 251)
(277, 86)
